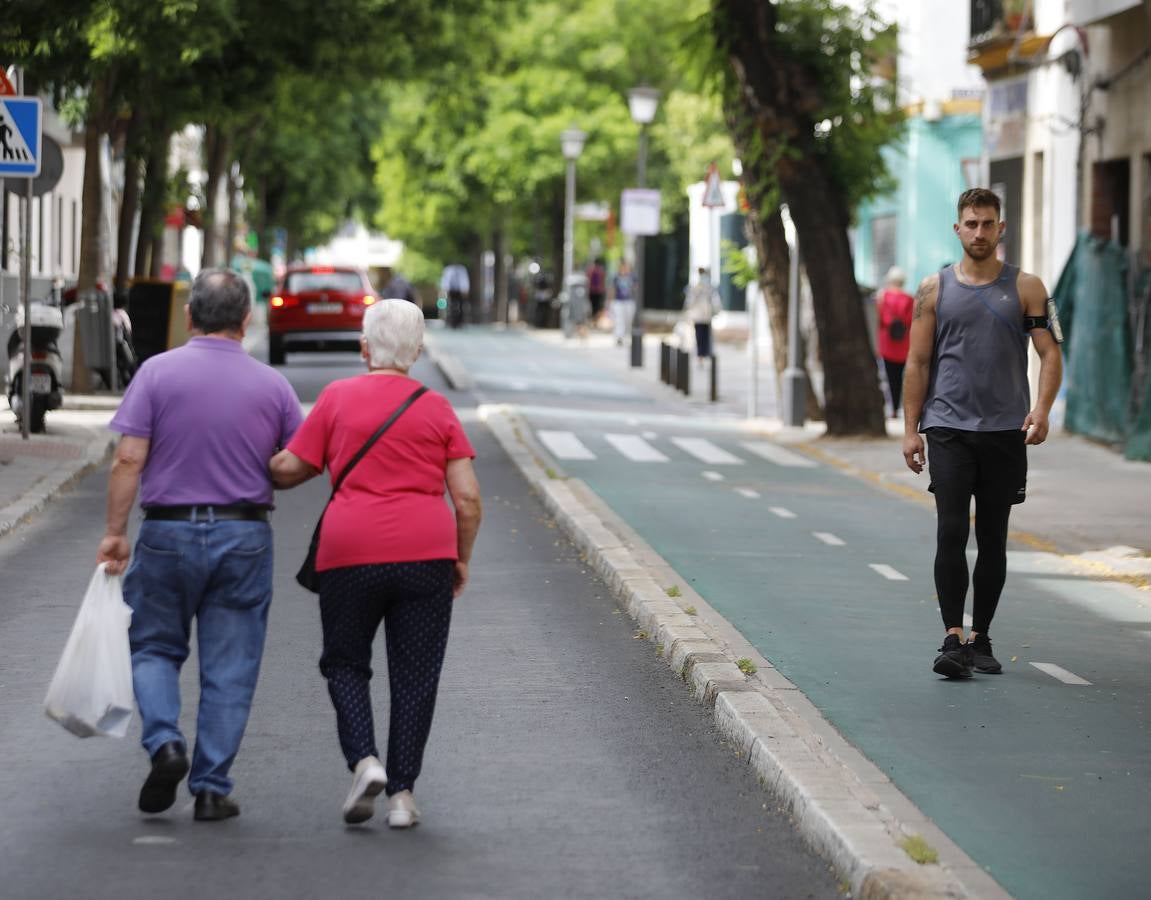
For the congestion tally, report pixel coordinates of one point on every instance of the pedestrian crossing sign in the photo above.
(21, 124)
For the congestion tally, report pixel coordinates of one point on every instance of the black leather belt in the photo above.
(241, 512)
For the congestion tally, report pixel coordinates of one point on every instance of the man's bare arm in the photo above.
(917, 372)
(123, 483)
(1033, 296)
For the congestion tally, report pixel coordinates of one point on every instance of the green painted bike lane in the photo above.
(1045, 784)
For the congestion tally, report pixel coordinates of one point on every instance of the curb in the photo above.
(845, 807)
(45, 491)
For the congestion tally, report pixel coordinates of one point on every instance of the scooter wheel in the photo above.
(36, 419)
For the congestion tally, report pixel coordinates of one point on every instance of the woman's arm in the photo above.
(288, 470)
(464, 489)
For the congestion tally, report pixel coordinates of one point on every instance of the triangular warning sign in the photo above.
(712, 192)
(13, 147)
(6, 88)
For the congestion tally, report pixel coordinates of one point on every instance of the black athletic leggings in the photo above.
(414, 601)
(991, 467)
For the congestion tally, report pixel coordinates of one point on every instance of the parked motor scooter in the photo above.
(47, 369)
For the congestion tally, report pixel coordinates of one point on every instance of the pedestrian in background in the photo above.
(198, 424)
(455, 286)
(701, 304)
(965, 388)
(390, 550)
(395, 286)
(893, 311)
(623, 302)
(597, 287)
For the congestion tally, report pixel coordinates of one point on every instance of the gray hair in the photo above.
(219, 301)
(894, 276)
(394, 330)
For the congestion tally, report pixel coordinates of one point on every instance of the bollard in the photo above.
(683, 370)
(714, 378)
(665, 362)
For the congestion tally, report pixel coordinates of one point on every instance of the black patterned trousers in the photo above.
(414, 601)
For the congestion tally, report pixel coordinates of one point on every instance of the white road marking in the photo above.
(705, 451)
(748, 493)
(565, 445)
(1060, 673)
(887, 572)
(778, 455)
(828, 538)
(782, 512)
(712, 476)
(154, 839)
(967, 621)
(650, 435)
(635, 448)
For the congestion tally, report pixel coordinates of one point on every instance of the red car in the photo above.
(318, 308)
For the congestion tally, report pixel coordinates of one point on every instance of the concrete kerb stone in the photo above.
(45, 490)
(838, 814)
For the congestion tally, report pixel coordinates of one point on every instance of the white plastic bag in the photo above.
(91, 692)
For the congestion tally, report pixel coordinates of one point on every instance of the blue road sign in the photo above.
(21, 123)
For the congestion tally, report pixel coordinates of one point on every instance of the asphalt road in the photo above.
(565, 761)
(1042, 775)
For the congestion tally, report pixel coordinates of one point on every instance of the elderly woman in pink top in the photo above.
(390, 550)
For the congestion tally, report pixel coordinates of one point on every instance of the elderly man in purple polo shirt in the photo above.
(198, 425)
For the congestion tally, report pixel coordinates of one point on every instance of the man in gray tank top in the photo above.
(965, 388)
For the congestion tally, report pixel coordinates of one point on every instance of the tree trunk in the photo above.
(233, 224)
(129, 203)
(780, 96)
(149, 239)
(501, 271)
(216, 151)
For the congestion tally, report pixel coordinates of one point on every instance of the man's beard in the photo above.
(980, 252)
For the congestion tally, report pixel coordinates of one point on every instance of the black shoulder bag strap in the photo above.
(307, 576)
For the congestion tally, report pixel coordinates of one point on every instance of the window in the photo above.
(336, 282)
(1110, 207)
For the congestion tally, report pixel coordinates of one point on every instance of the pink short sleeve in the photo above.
(310, 442)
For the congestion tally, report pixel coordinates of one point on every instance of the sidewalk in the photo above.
(33, 471)
(1084, 500)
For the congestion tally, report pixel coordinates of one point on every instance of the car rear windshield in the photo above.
(307, 282)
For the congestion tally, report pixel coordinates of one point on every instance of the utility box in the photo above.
(94, 324)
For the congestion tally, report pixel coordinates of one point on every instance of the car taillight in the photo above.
(284, 302)
(277, 302)
(369, 299)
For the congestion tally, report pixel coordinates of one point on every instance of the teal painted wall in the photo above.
(929, 166)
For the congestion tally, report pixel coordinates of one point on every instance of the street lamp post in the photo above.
(642, 102)
(794, 377)
(571, 141)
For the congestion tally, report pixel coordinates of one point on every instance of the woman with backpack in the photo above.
(893, 310)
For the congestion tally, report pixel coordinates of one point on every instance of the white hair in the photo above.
(895, 276)
(394, 331)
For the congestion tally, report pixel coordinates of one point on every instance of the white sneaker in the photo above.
(402, 812)
(368, 781)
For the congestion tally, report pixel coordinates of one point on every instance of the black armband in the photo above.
(1030, 322)
(1049, 321)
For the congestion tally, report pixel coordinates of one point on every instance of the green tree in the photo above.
(810, 119)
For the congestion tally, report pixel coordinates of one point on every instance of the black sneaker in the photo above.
(981, 658)
(954, 660)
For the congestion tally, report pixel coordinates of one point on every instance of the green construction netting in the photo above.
(1095, 309)
(1139, 440)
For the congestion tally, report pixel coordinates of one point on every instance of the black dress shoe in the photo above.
(212, 807)
(169, 766)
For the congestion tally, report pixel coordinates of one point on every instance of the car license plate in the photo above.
(41, 384)
(325, 308)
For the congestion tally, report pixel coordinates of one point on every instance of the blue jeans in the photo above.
(221, 574)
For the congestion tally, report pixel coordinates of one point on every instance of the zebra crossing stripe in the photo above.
(705, 451)
(565, 445)
(635, 448)
(778, 455)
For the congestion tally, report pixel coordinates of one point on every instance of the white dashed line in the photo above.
(705, 451)
(782, 512)
(650, 435)
(887, 572)
(967, 621)
(828, 538)
(154, 839)
(565, 445)
(748, 493)
(778, 455)
(712, 476)
(1060, 673)
(635, 448)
